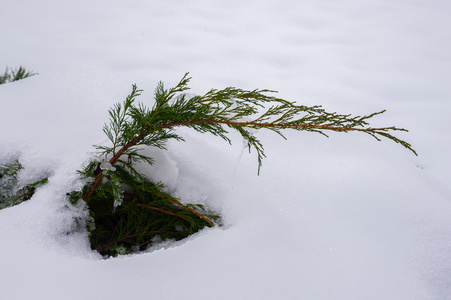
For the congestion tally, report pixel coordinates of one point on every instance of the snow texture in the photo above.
(340, 218)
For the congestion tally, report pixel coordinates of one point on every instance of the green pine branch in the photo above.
(133, 125)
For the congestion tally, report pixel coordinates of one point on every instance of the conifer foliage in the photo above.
(11, 193)
(128, 212)
(11, 75)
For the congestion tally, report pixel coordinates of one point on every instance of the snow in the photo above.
(340, 218)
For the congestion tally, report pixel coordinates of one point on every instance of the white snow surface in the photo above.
(344, 217)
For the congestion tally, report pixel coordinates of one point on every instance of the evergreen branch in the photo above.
(133, 126)
(136, 125)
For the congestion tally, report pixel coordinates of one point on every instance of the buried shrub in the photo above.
(128, 212)
(10, 192)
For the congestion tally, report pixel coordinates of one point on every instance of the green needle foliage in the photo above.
(128, 211)
(11, 75)
(10, 193)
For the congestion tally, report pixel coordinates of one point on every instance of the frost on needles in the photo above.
(128, 212)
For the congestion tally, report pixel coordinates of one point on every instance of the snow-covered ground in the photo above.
(340, 218)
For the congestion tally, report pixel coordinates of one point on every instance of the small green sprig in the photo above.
(11, 75)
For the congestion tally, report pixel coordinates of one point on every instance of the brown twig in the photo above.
(161, 210)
